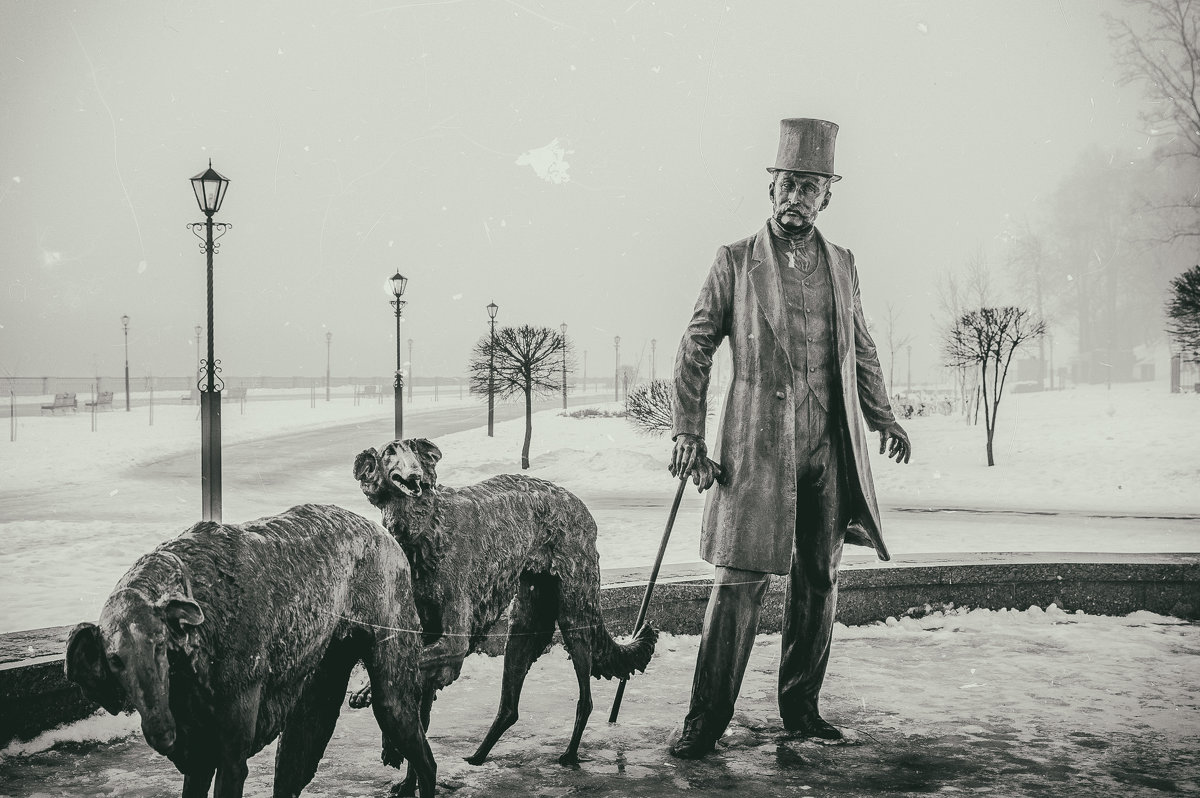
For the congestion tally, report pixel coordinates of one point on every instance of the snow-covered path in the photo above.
(78, 507)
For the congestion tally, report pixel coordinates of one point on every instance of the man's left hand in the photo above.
(894, 441)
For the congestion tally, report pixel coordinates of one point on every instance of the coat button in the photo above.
(780, 395)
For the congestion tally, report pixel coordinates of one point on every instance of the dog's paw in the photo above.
(572, 759)
(360, 698)
(405, 788)
(391, 756)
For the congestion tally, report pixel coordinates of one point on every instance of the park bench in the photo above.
(369, 390)
(193, 397)
(103, 400)
(62, 401)
(237, 394)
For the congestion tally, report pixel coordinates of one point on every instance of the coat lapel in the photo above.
(842, 310)
(767, 286)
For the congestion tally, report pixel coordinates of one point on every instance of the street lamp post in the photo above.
(328, 349)
(492, 309)
(399, 283)
(209, 187)
(125, 324)
(653, 346)
(910, 368)
(410, 371)
(617, 369)
(563, 328)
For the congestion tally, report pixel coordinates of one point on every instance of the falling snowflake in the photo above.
(547, 162)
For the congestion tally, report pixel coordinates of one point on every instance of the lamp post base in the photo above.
(399, 411)
(210, 455)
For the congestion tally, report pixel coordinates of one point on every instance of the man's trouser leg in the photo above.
(730, 623)
(822, 509)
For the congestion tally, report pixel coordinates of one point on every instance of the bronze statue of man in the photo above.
(795, 477)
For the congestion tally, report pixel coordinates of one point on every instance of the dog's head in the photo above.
(122, 662)
(405, 468)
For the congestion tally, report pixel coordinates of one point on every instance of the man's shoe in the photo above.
(694, 744)
(813, 725)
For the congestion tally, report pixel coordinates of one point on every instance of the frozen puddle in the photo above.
(1009, 703)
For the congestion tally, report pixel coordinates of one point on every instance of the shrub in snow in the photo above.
(595, 412)
(648, 407)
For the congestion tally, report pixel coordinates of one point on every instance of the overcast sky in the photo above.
(573, 162)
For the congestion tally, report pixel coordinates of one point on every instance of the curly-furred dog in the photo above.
(229, 636)
(474, 551)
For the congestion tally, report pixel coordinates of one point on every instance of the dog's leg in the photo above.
(197, 781)
(231, 779)
(578, 642)
(530, 630)
(310, 724)
(428, 694)
(396, 687)
(238, 723)
(448, 652)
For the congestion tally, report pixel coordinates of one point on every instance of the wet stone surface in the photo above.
(1012, 704)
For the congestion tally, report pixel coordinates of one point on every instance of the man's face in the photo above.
(797, 198)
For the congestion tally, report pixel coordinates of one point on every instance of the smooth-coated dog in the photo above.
(231, 635)
(474, 551)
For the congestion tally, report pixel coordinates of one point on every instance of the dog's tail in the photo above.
(611, 659)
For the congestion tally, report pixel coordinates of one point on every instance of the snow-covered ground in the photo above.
(990, 700)
(1029, 703)
(1128, 449)
(1131, 450)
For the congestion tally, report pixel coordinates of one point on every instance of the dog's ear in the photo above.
(427, 450)
(87, 666)
(179, 612)
(366, 464)
(181, 615)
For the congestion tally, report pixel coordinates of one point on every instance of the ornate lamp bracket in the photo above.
(218, 383)
(199, 230)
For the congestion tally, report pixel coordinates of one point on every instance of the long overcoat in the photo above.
(749, 520)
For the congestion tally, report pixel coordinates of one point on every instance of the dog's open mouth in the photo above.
(410, 486)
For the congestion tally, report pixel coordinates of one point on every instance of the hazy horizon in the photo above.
(572, 163)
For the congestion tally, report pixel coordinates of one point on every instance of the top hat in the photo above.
(806, 145)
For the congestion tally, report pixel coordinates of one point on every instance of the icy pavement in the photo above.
(1003, 703)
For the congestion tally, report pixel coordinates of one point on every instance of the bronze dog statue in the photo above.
(229, 636)
(474, 550)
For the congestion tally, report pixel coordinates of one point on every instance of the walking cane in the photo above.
(662, 550)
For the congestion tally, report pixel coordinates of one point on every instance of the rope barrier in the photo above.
(395, 629)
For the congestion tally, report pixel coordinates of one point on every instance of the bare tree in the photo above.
(1158, 44)
(648, 406)
(1183, 312)
(895, 341)
(987, 339)
(524, 359)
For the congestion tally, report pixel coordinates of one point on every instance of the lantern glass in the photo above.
(492, 309)
(209, 187)
(124, 321)
(399, 283)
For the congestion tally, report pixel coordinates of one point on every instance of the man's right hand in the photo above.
(690, 459)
